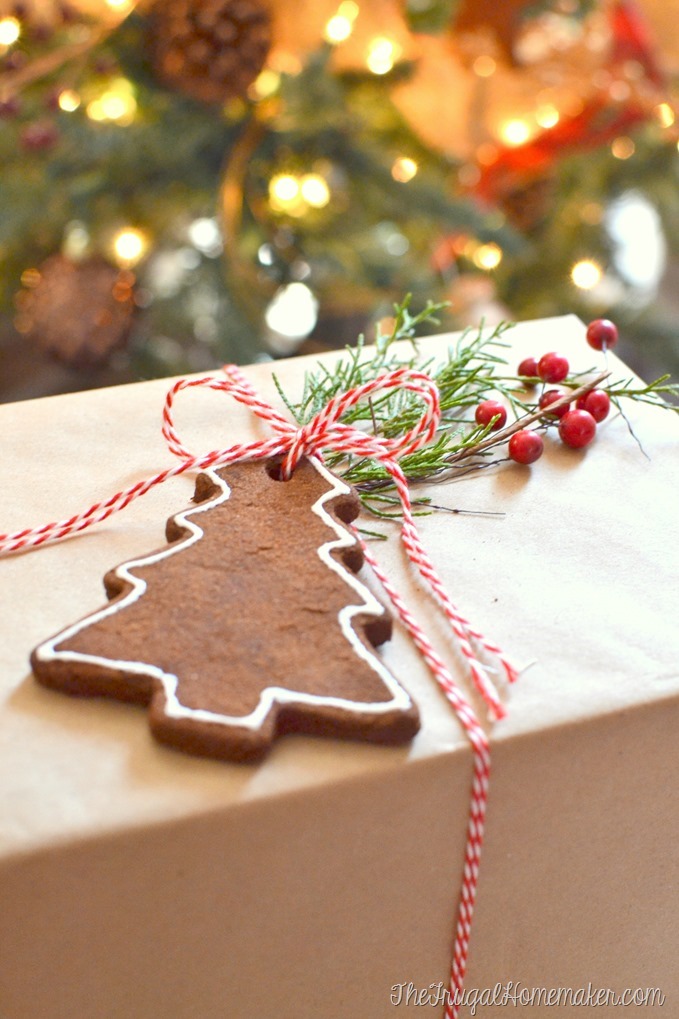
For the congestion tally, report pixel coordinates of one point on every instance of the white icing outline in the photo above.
(173, 708)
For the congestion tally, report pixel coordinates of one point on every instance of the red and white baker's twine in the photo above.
(327, 432)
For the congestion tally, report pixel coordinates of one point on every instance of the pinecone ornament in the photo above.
(211, 50)
(79, 312)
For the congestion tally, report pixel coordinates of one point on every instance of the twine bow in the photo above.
(325, 432)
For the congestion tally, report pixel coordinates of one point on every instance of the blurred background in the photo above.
(192, 182)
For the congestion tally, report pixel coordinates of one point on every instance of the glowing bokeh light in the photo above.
(586, 273)
(10, 30)
(382, 55)
(129, 246)
(404, 169)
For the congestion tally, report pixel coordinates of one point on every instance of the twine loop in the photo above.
(325, 431)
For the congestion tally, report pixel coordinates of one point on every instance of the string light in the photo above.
(665, 114)
(341, 25)
(487, 256)
(10, 30)
(129, 246)
(515, 132)
(338, 29)
(76, 242)
(639, 249)
(547, 116)
(404, 169)
(68, 100)
(389, 236)
(382, 55)
(284, 192)
(204, 234)
(265, 84)
(265, 255)
(117, 104)
(291, 315)
(314, 190)
(296, 195)
(623, 147)
(586, 273)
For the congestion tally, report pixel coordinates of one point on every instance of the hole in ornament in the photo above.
(346, 507)
(377, 630)
(274, 468)
(352, 558)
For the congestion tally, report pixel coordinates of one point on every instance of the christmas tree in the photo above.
(199, 181)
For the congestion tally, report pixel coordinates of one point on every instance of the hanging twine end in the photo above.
(497, 711)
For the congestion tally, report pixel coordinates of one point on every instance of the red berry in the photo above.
(9, 107)
(577, 428)
(528, 368)
(489, 409)
(104, 65)
(68, 14)
(597, 402)
(553, 367)
(40, 32)
(602, 333)
(39, 136)
(525, 447)
(14, 60)
(51, 100)
(549, 397)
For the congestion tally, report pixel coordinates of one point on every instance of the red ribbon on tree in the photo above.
(601, 119)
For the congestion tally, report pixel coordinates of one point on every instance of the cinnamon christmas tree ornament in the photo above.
(250, 623)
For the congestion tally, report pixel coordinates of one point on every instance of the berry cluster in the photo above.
(576, 424)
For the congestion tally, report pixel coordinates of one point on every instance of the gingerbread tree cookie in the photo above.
(248, 624)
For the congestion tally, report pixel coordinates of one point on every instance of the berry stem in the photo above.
(527, 419)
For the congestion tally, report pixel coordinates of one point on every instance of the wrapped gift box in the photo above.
(138, 882)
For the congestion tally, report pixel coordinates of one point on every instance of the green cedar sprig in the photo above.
(472, 370)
